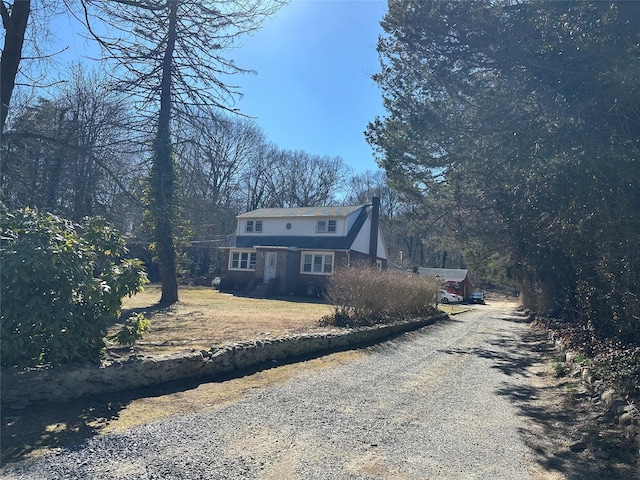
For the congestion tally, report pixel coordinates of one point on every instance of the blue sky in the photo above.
(313, 90)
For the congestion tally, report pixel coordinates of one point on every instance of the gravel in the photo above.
(439, 403)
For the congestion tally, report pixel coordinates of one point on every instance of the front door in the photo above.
(270, 266)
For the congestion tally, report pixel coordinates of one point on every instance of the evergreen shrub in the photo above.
(62, 284)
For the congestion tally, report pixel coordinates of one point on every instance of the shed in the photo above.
(455, 280)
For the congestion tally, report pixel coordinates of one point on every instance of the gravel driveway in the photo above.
(439, 403)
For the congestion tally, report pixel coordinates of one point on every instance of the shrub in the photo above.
(61, 284)
(133, 329)
(364, 295)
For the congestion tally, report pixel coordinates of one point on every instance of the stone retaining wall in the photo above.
(22, 388)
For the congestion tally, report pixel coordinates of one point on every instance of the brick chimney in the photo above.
(373, 237)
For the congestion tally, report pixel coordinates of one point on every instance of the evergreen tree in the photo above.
(523, 117)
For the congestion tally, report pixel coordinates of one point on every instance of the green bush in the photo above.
(133, 329)
(364, 295)
(61, 285)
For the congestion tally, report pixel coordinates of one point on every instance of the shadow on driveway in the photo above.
(562, 429)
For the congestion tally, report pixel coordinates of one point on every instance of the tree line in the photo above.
(516, 125)
(78, 155)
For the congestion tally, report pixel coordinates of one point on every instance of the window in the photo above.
(317, 263)
(326, 226)
(254, 226)
(239, 260)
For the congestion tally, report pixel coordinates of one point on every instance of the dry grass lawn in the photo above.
(204, 318)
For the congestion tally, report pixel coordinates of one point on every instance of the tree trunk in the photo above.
(163, 176)
(15, 25)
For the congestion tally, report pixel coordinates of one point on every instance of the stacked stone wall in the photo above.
(60, 384)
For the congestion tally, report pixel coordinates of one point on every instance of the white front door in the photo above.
(270, 266)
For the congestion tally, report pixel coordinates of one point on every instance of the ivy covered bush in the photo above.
(61, 286)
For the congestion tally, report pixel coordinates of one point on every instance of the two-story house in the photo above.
(294, 250)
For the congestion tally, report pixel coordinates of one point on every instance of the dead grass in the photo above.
(201, 319)
(216, 395)
(204, 318)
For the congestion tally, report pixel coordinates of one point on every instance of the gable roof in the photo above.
(446, 274)
(306, 242)
(339, 211)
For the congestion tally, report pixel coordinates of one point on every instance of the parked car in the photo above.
(448, 297)
(476, 297)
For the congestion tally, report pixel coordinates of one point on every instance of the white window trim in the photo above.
(314, 255)
(327, 226)
(253, 226)
(240, 252)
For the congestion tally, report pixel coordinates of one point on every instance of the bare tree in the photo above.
(71, 155)
(285, 178)
(362, 186)
(214, 152)
(256, 183)
(14, 20)
(26, 54)
(168, 55)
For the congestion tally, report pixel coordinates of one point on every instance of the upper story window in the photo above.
(254, 226)
(326, 226)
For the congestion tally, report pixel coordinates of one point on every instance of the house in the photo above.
(455, 280)
(282, 251)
